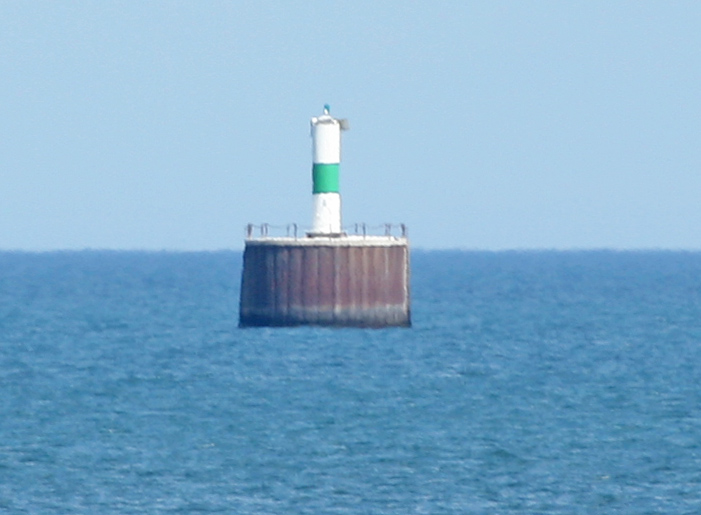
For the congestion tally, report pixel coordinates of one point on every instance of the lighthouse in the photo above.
(326, 276)
(326, 164)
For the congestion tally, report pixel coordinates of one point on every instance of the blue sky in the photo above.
(482, 125)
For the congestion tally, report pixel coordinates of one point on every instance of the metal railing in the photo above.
(263, 231)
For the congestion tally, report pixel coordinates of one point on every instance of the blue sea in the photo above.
(531, 382)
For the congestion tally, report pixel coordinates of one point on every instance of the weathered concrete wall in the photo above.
(332, 282)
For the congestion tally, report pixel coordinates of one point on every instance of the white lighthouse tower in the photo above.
(326, 158)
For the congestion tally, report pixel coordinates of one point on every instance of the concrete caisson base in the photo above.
(343, 282)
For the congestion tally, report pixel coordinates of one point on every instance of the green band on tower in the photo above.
(325, 177)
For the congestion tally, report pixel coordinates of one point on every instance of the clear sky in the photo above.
(481, 125)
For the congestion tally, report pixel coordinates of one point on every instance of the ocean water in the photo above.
(536, 382)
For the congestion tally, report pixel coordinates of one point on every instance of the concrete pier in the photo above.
(346, 281)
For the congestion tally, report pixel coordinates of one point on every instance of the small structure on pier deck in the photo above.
(326, 277)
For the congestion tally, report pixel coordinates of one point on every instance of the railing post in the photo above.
(249, 231)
